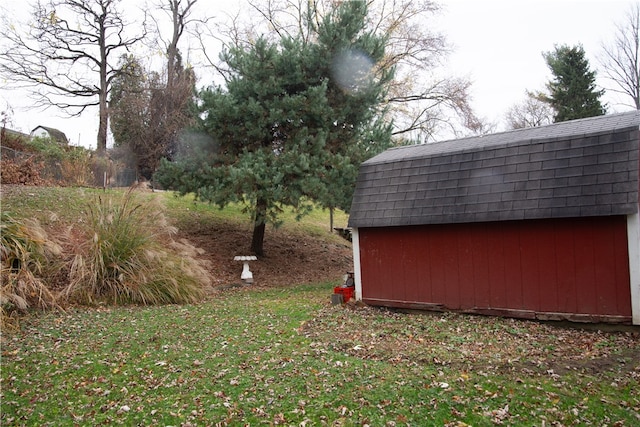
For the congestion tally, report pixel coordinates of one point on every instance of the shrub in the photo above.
(41, 161)
(28, 258)
(101, 168)
(76, 167)
(22, 171)
(129, 256)
(47, 148)
(13, 140)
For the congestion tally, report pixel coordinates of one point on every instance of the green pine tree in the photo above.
(293, 123)
(572, 91)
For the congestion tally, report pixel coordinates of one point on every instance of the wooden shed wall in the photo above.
(559, 268)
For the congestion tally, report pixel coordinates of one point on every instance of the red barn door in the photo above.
(559, 268)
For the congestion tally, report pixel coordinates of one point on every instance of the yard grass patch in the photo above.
(286, 356)
(184, 209)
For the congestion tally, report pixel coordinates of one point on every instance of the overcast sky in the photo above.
(498, 45)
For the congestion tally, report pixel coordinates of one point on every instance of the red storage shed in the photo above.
(535, 223)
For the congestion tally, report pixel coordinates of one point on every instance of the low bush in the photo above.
(26, 171)
(41, 161)
(29, 259)
(128, 255)
(76, 167)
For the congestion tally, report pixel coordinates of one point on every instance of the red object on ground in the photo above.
(347, 293)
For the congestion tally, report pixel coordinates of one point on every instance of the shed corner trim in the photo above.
(357, 274)
(633, 240)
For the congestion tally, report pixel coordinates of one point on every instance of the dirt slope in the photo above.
(290, 259)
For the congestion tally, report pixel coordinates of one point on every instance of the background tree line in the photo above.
(572, 92)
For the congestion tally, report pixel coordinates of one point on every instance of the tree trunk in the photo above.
(101, 148)
(257, 241)
(331, 220)
(103, 112)
(172, 49)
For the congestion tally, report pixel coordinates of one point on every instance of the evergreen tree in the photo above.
(288, 129)
(572, 91)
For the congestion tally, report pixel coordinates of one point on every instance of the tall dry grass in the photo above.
(29, 261)
(128, 255)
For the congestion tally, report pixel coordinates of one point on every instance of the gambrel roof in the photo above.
(586, 167)
(55, 134)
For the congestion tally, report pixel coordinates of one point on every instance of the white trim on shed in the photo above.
(633, 240)
(357, 274)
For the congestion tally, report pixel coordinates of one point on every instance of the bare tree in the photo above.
(144, 129)
(421, 100)
(220, 33)
(179, 12)
(620, 59)
(172, 105)
(66, 55)
(150, 109)
(531, 112)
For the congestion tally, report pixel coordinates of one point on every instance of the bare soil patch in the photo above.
(474, 343)
(290, 259)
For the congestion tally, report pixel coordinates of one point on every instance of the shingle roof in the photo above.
(55, 134)
(586, 167)
(14, 133)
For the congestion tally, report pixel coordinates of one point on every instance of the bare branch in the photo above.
(620, 59)
(64, 54)
(532, 112)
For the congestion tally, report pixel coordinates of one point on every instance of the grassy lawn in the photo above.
(286, 356)
(54, 204)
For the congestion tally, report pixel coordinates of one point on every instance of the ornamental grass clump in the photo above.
(29, 260)
(128, 255)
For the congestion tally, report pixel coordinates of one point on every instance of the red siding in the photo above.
(560, 266)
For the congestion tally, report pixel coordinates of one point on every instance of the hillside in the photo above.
(291, 257)
(296, 253)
